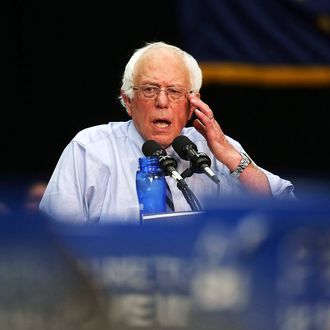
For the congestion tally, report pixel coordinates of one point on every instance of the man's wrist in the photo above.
(244, 163)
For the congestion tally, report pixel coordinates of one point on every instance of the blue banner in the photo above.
(243, 264)
(274, 41)
(248, 265)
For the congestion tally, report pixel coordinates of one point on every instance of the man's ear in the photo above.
(127, 102)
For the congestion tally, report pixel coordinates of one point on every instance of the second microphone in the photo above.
(199, 161)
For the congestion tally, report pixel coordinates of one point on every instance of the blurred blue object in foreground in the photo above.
(244, 264)
(41, 286)
(249, 264)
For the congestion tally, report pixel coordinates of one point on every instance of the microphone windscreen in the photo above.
(152, 148)
(180, 144)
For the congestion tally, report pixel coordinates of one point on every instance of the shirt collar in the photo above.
(134, 135)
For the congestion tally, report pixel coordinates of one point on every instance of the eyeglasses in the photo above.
(151, 91)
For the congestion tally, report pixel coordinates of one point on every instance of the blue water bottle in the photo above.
(150, 186)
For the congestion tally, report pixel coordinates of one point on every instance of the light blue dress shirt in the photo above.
(94, 179)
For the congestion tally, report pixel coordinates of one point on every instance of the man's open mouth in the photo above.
(161, 123)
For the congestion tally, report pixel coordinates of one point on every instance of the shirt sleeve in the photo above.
(280, 188)
(70, 189)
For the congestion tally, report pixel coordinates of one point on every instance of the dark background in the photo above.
(62, 70)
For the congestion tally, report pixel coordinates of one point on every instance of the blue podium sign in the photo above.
(249, 265)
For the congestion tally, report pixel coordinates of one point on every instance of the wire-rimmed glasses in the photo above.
(151, 91)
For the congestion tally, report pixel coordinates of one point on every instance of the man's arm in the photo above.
(252, 177)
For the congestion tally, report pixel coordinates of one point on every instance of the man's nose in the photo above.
(162, 98)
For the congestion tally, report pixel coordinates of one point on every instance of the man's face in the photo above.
(160, 118)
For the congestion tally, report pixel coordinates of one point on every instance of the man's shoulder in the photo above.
(100, 132)
(193, 134)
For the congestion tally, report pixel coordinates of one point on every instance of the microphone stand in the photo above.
(190, 171)
(189, 196)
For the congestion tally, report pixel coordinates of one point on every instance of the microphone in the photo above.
(199, 161)
(166, 162)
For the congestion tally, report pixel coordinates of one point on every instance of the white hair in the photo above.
(193, 68)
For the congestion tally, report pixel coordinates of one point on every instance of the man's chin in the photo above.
(164, 143)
